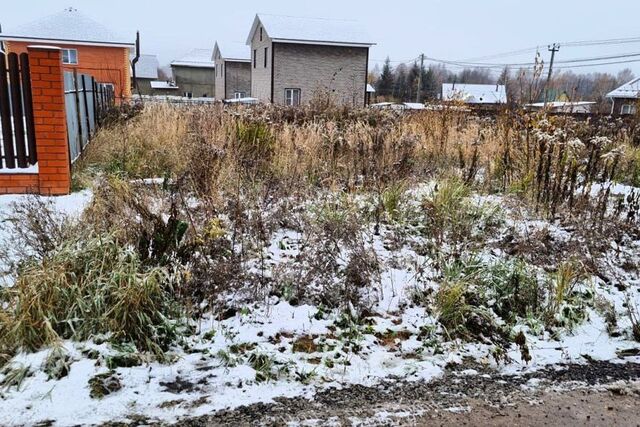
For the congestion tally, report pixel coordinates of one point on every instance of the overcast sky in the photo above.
(452, 30)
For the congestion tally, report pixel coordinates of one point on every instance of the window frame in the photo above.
(239, 95)
(292, 91)
(260, 33)
(266, 56)
(69, 56)
(255, 58)
(627, 109)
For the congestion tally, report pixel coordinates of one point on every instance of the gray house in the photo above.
(233, 71)
(195, 74)
(146, 72)
(295, 59)
(625, 99)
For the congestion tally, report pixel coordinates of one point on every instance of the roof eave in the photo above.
(9, 38)
(324, 43)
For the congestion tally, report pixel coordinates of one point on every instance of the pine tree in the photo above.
(400, 83)
(385, 82)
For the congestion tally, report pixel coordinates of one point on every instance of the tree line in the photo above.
(400, 83)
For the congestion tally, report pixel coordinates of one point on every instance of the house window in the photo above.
(239, 95)
(266, 54)
(628, 109)
(260, 33)
(292, 97)
(188, 95)
(70, 56)
(255, 57)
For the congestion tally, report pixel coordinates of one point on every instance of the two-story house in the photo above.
(195, 74)
(233, 70)
(87, 46)
(295, 59)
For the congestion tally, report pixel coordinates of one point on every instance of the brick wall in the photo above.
(261, 75)
(237, 76)
(54, 170)
(338, 71)
(106, 64)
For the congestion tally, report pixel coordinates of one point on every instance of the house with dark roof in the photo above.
(295, 59)
(233, 70)
(87, 46)
(195, 74)
(625, 99)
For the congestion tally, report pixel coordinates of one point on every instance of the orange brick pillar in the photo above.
(54, 169)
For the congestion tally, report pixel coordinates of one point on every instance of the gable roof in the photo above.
(197, 58)
(147, 66)
(290, 29)
(627, 90)
(68, 26)
(474, 94)
(237, 52)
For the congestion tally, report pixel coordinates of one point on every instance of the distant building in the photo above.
(292, 59)
(474, 94)
(87, 46)
(625, 98)
(562, 107)
(195, 74)
(233, 71)
(146, 72)
(159, 87)
(371, 91)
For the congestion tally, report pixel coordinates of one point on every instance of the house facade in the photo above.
(625, 99)
(195, 74)
(87, 46)
(294, 60)
(233, 71)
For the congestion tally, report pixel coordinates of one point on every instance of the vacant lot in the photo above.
(214, 259)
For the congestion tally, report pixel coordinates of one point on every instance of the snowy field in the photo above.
(273, 348)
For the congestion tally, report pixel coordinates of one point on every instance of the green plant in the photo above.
(90, 286)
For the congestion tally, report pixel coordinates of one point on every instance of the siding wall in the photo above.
(338, 71)
(261, 75)
(106, 64)
(198, 81)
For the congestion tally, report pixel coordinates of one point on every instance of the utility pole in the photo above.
(553, 49)
(420, 78)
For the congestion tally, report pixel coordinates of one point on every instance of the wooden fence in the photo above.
(17, 139)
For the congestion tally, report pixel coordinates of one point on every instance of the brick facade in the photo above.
(232, 77)
(261, 75)
(340, 72)
(106, 64)
(337, 71)
(54, 170)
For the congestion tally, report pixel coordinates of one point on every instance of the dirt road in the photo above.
(597, 394)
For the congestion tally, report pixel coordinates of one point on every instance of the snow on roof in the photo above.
(289, 29)
(560, 104)
(163, 85)
(68, 25)
(147, 66)
(628, 90)
(474, 94)
(234, 51)
(201, 58)
(370, 88)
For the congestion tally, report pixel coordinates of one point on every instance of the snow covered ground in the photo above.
(300, 349)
